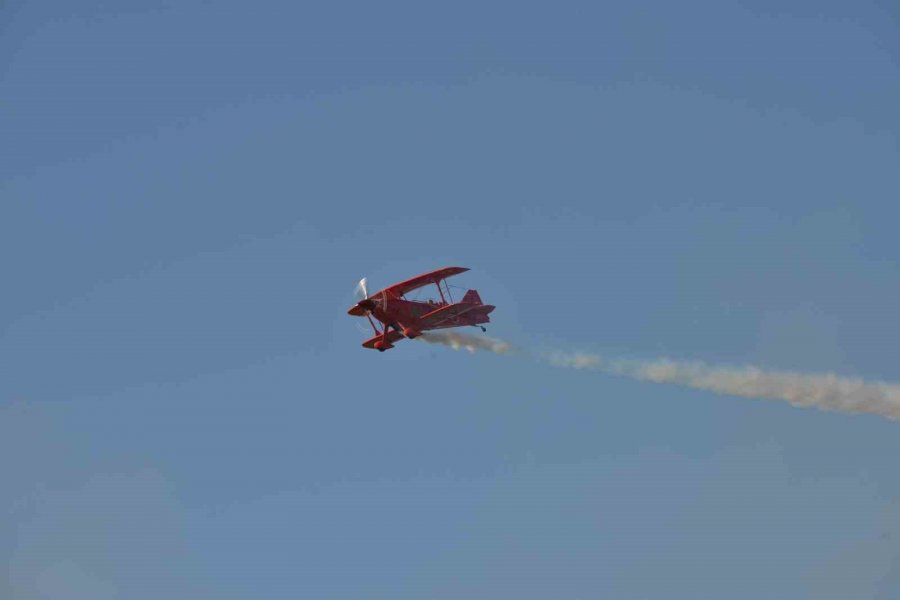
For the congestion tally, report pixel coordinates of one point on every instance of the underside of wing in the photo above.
(404, 287)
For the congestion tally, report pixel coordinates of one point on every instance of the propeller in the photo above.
(362, 293)
(362, 290)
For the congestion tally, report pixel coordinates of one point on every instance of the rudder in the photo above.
(472, 297)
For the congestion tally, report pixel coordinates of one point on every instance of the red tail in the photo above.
(471, 297)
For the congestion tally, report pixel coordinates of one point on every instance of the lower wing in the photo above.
(455, 315)
(392, 336)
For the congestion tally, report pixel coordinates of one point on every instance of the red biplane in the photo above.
(401, 317)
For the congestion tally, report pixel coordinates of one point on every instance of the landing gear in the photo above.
(483, 330)
(384, 338)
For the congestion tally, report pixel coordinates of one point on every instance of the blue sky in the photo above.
(189, 192)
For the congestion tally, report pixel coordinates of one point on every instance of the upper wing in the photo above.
(398, 289)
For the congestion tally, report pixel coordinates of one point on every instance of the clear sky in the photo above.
(190, 190)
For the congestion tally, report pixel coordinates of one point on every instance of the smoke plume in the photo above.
(459, 341)
(821, 390)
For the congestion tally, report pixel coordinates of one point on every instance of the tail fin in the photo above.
(472, 297)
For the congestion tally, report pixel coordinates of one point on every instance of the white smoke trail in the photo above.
(826, 391)
(821, 390)
(459, 341)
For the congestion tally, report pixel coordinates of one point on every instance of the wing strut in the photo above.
(372, 323)
(449, 295)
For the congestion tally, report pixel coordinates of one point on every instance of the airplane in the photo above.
(401, 318)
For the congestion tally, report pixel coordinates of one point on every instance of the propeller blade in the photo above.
(362, 289)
